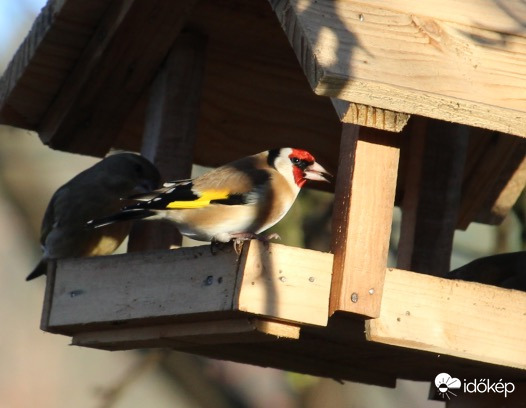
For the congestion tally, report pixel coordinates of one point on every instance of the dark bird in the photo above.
(93, 193)
(503, 270)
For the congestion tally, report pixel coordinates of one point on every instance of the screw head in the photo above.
(354, 297)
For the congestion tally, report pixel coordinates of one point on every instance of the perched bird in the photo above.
(93, 193)
(503, 270)
(236, 201)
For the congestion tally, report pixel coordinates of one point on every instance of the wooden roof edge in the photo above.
(343, 56)
(30, 56)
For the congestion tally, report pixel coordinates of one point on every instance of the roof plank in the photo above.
(121, 59)
(390, 57)
(47, 54)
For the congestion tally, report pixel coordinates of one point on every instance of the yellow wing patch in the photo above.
(202, 201)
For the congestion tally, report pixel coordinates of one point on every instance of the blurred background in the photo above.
(38, 369)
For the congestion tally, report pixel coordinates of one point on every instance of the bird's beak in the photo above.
(317, 172)
(145, 186)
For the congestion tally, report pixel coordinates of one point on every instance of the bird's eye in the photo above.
(295, 160)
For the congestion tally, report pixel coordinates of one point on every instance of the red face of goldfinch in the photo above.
(237, 200)
(304, 168)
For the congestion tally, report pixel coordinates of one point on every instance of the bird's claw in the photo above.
(239, 239)
(272, 236)
(238, 245)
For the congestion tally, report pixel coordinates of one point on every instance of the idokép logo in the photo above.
(445, 383)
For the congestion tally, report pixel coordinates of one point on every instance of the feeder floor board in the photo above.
(237, 307)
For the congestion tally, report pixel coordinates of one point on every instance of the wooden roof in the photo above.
(452, 84)
(80, 79)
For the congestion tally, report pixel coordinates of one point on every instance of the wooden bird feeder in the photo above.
(421, 105)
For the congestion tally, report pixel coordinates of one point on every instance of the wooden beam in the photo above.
(432, 193)
(506, 199)
(363, 210)
(170, 129)
(275, 282)
(165, 286)
(387, 55)
(120, 60)
(292, 355)
(49, 51)
(48, 294)
(421, 316)
(257, 69)
(369, 116)
(188, 335)
(463, 319)
(172, 115)
(508, 175)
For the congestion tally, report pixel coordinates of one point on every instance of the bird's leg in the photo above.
(240, 237)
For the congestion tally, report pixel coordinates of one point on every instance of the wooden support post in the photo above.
(432, 196)
(169, 134)
(371, 116)
(363, 209)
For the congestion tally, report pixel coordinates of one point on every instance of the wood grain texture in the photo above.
(260, 71)
(255, 95)
(121, 59)
(160, 286)
(432, 64)
(170, 130)
(506, 199)
(463, 319)
(369, 116)
(175, 99)
(283, 281)
(504, 16)
(494, 177)
(249, 78)
(150, 285)
(363, 210)
(48, 295)
(188, 335)
(49, 51)
(444, 317)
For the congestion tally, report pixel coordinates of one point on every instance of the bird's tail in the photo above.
(127, 214)
(39, 270)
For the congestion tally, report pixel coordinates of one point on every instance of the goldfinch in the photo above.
(236, 201)
(93, 193)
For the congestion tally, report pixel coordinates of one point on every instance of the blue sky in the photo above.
(16, 17)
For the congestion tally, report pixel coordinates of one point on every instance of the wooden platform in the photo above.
(270, 307)
(416, 105)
